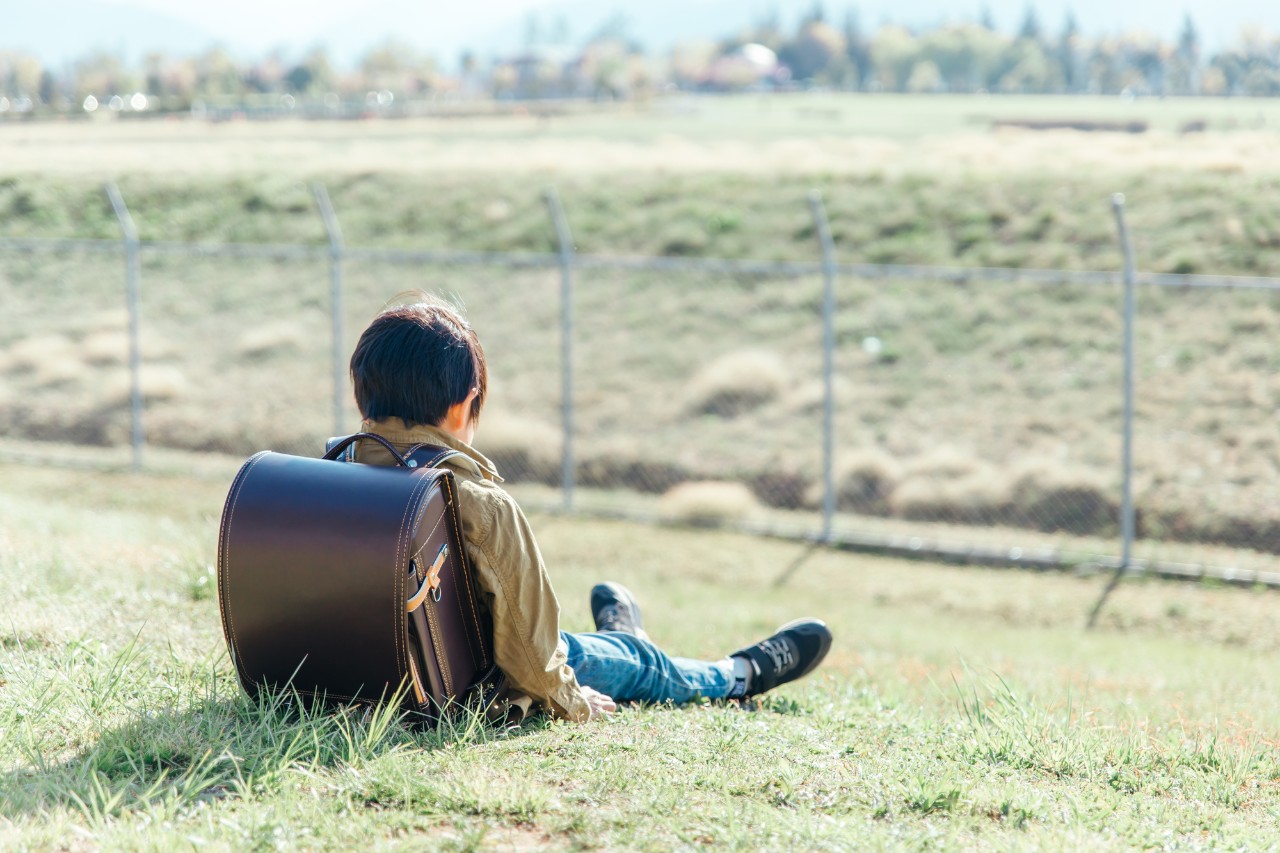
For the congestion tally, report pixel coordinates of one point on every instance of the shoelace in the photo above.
(779, 652)
(608, 617)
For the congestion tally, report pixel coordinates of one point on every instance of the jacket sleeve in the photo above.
(526, 614)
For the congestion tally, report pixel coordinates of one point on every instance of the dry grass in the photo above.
(736, 383)
(603, 145)
(708, 502)
(991, 405)
(1035, 494)
(522, 449)
(105, 348)
(1051, 497)
(1020, 381)
(270, 339)
(161, 383)
(42, 359)
(864, 482)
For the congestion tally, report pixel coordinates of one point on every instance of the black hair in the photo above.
(415, 361)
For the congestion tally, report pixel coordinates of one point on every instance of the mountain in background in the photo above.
(61, 31)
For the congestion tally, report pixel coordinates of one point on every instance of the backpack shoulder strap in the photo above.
(348, 453)
(435, 455)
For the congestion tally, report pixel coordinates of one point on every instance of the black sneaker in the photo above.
(793, 651)
(614, 608)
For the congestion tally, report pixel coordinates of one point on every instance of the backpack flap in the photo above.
(313, 576)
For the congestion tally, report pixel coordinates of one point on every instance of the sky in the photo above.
(444, 28)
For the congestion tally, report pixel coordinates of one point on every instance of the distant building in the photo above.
(750, 66)
(538, 72)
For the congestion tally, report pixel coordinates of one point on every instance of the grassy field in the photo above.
(958, 708)
(760, 135)
(977, 400)
(236, 352)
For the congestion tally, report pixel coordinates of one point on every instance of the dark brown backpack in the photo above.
(347, 582)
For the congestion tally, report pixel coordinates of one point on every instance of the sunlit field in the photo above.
(960, 707)
(746, 134)
(979, 398)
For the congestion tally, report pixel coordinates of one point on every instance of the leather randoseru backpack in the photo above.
(342, 582)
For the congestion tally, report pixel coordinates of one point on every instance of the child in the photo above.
(420, 378)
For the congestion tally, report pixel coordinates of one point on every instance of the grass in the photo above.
(960, 708)
(1018, 382)
(808, 134)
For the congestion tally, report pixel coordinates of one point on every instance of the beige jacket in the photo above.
(508, 567)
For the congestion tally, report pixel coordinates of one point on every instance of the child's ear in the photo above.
(456, 416)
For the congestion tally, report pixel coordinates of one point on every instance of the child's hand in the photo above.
(598, 703)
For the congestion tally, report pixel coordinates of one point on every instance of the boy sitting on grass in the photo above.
(420, 378)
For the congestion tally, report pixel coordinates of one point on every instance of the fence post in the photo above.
(565, 242)
(825, 242)
(132, 286)
(1130, 310)
(1126, 453)
(334, 232)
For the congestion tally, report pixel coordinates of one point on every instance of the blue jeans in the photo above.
(634, 670)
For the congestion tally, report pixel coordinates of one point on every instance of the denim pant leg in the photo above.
(634, 670)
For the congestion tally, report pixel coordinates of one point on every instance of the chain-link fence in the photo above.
(960, 413)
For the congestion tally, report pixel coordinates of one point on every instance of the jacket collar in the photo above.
(395, 431)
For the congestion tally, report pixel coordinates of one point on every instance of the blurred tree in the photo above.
(313, 75)
(1030, 28)
(1106, 74)
(767, 30)
(1253, 66)
(219, 75)
(1189, 40)
(1147, 56)
(605, 68)
(969, 57)
(1032, 71)
(858, 49)
(816, 15)
(691, 63)
(925, 78)
(154, 63)
(1184, 69)
(1262, 82)
(810, 54)
(1068, 54)
(21, 74)
(953, 57)
(616, 26)
(1213, 81)
(102, 75)
(267, 75)
(397, 67)
(48, 89)
(894, 52)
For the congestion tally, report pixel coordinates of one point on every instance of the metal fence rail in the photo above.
(809, 489)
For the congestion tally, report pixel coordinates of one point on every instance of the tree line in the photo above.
(975, 56)
(964, 57)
